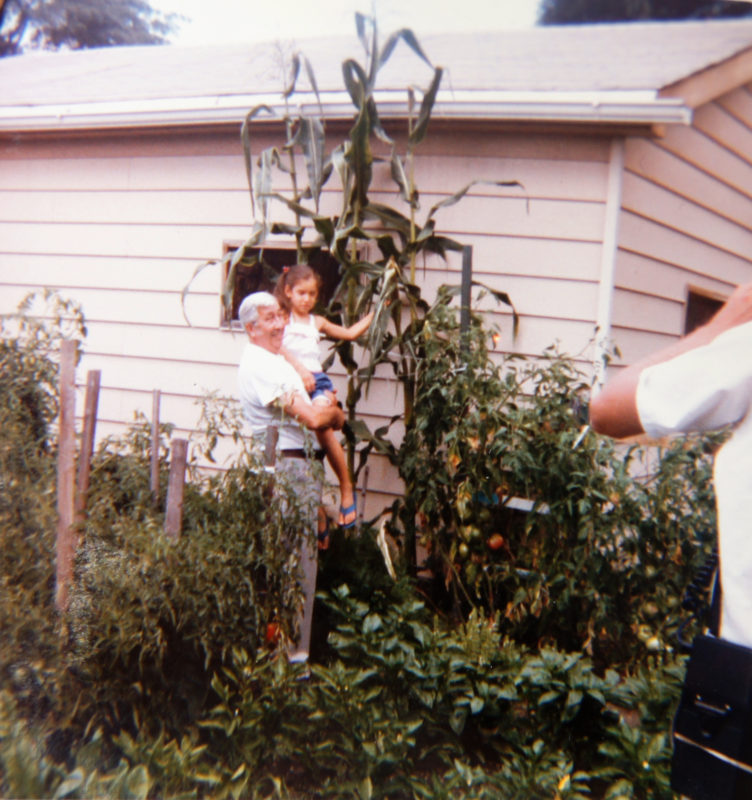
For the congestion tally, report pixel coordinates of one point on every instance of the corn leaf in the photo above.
(457, 196)
(409, 38)
(245, 137)
(294, 72)
(429, 98)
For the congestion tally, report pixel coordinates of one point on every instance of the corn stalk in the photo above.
(386, 283)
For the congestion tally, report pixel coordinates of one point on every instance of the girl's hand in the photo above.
(309, 382)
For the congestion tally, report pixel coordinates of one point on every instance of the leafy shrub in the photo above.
(28, 517)
(408, 707)
(152, 617)
(160, 683)
(602, 558)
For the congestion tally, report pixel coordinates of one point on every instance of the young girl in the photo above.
(297, 291)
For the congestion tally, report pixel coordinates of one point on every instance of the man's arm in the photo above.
(316, 417)
(613, 410)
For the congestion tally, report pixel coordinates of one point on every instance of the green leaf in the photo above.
(361, 159)
(297, 208)
(418, 133)
(138, 783)
(294, 72)
(356, 82)
(389, 216)
(245, 137)
(476, 705)
(457, 720)
(457, 196)
(399, 176)
(372, 623)
(409, 38)
(196, 272)
(71, 783)
(311, 139)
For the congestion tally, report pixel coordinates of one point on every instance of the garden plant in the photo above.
(542, 667)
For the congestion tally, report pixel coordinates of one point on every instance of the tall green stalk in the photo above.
(380, 284)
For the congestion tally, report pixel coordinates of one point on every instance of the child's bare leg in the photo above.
(335, 455)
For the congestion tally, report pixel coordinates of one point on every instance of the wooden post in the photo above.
(174, 515)
(270, 446)
(363, 492)
(155, 446)
(66, 535)
(91, 402)
(270, 460)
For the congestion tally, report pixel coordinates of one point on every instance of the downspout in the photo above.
(608, 262)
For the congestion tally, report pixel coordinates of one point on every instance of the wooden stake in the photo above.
(270, 447)
(174, 515)
(66, 535)
(91, 402)
(155, 446)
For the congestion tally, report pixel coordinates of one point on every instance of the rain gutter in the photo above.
(633, 107)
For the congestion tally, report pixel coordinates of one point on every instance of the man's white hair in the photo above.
(249, 308)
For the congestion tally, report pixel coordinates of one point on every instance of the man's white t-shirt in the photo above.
(266, 382)
(701, 390)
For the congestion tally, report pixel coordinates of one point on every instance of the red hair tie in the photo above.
(285, 270)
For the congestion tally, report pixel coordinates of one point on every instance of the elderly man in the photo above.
(272, 394)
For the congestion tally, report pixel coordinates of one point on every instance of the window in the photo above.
(263, 275)
(700, 307)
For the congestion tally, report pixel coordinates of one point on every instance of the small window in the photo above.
(701, 305)
(263, 274)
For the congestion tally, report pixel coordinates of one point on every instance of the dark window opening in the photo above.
(261, 275)
(701, 306)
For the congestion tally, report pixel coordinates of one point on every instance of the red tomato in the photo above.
(272, 633)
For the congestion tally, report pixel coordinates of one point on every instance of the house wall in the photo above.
(119, 223)
(686, 221)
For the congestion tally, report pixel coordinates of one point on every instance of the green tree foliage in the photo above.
(79, 24)
(563, 12)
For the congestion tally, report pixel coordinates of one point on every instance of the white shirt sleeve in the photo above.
(700, 390)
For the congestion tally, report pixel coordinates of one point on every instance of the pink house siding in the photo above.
(120, 223)
(686, 221)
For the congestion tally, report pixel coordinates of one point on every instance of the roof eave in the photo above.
(639, 108)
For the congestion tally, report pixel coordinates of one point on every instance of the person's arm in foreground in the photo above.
(613, 410)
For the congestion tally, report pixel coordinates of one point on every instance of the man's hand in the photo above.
(314, 416)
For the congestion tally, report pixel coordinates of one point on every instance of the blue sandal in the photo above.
(345, 512)
(323, 536)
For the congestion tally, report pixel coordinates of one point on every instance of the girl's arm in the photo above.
(348, 334)
(307, 376)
